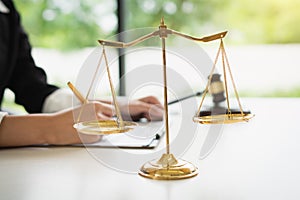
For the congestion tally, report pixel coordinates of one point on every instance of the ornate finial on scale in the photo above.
(163, 31)
(162, 21)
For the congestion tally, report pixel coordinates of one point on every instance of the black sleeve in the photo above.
(28, 82)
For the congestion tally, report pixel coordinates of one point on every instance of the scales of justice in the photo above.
(167, 167)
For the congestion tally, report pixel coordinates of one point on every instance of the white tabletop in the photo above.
(255, 160)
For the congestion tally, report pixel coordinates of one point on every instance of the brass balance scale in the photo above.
(167, 167)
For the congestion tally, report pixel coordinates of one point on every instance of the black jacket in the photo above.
(18, 71)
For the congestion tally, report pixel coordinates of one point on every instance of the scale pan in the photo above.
(103, 127)
(223, 118)
(220, 115)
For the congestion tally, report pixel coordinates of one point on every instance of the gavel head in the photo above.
(216, 89)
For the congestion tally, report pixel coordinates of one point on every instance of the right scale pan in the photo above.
(222, 116)
(217, 114)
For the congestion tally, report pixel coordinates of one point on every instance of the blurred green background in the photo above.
(69, 26)
(75, 24)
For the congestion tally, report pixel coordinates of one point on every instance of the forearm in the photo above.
(56, 128)
(24, 130)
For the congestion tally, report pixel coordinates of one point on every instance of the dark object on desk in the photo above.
(221, 115)
(217, 110)
(216, 89)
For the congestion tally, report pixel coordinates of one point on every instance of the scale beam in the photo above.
(203, 39)
(163, 32)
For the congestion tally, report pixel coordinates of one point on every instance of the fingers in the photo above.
(153, 109)
(154, 113)
(139, 109)
(93, 111)
(152, 100)
(101, 116)
(148, 107)
(104, 110)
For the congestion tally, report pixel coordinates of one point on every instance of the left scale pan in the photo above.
(104, 127)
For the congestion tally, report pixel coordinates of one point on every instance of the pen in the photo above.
(77, 93)
(186, 97)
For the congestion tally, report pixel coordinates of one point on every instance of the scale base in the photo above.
(168, 168)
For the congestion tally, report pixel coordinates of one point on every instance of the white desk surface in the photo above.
(255, 160)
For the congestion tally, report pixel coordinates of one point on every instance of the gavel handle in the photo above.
(186, 97)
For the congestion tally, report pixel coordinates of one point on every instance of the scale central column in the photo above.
(166, 112)
(167, 167)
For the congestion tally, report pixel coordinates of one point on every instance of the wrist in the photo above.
(40, 128)
(49, 128)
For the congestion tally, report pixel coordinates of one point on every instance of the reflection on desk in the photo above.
(255, 160)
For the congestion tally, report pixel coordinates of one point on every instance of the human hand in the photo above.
(63, 131)
(148, 107)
